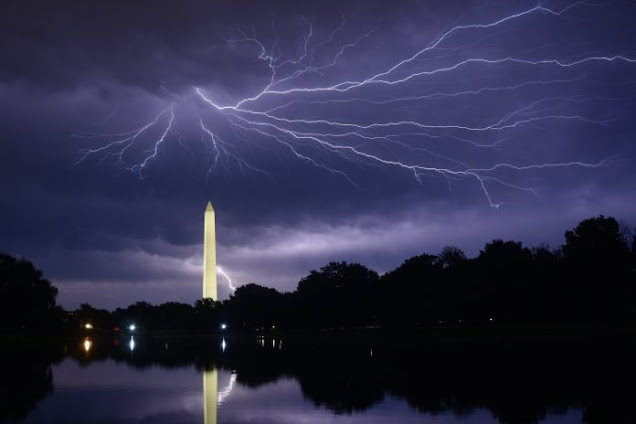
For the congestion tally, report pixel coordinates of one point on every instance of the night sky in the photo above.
(365, 131)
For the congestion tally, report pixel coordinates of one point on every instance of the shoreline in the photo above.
(427, 334)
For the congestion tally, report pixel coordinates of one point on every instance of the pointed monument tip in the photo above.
(209, 207)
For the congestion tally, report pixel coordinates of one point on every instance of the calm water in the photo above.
(272, 380)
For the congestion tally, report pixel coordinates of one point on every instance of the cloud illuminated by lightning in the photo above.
(299, 108)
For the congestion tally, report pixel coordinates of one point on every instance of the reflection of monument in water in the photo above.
(210, 395)
(209, 254)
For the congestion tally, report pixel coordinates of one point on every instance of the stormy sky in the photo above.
(365, 131)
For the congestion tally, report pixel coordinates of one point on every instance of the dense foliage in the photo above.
(27, 301)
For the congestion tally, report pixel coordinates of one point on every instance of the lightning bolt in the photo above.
(227, 278)
(294, 109)
(117, 145)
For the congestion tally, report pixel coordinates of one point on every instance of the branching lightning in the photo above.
(385, 118)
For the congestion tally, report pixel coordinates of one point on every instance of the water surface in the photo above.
(264, 380)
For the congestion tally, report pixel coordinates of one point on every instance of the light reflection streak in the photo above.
(87, 344)
(223, 394)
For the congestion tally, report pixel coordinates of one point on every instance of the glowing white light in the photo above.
(223, 326)
(88, 326)
(132, 327)
(131, 343)
(87, 345)
(223, 345)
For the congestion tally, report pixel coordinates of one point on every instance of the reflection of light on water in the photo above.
(87, 345)
(260, 340)
(227, 390)
(131, 343)
(223, 344)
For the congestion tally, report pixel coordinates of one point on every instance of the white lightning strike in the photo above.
(295, 112)
(227, 278)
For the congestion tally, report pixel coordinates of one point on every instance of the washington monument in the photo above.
(209, 254)
(210, 396)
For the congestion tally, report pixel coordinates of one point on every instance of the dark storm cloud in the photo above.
(106, 236)
(60, 46)
(146, 44)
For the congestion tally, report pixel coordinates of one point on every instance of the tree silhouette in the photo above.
(27, 300)
(414, 292)
(339, 294)
(504, 271)
(97, 318)
(452, 257)
(254, 307)
(598, 263)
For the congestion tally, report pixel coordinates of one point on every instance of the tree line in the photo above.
(589, 281)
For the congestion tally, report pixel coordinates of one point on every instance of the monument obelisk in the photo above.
(209, 254)
(210, 395)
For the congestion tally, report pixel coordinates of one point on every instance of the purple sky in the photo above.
(365, 131)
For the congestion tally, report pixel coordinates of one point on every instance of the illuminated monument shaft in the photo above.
(210, 395)
(209, 254)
